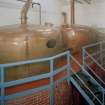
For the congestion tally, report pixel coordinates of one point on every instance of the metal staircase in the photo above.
(89, 81)
(87, 86)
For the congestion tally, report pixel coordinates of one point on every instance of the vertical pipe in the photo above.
(24, 11)
(40, 12)
(65, 18)
(72, 7)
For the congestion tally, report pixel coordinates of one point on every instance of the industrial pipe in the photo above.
(24, 11)
(40, 14)
(72, 7)
(65, 18)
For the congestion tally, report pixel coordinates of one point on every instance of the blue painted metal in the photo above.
(2, 89)
(95, 74)
(60, 69)
(101, 53)
(85, 71)
(51, 83)
(49, 75)
(25, 93)
(31, 91)
(94, 60)
(94, 81)
(86, 87)
(86, 55)
(83, 57)
(94, 44)
(103, 98)
(33, 61)
(77, 85)
(81, 91)
(99, 61)
(26, 80)
(33, 78)
(60, 80)
(69, 66)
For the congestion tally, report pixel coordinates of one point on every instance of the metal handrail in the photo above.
(49, 75)
(33, 61)
(94, 44)
(83, 69)
(99, 65)
(87, 55)
(83, 83)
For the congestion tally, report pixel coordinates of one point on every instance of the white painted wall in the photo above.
(83, 13)
(99, 14)
(10, 12)
(91, 15)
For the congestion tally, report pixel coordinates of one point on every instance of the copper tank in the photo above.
(25, 42)
(76, 36)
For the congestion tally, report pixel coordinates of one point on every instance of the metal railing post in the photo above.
(101, 55)
(51, 82)
(103, 96)
(69, 66)
(2, 87)
(83, 57)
